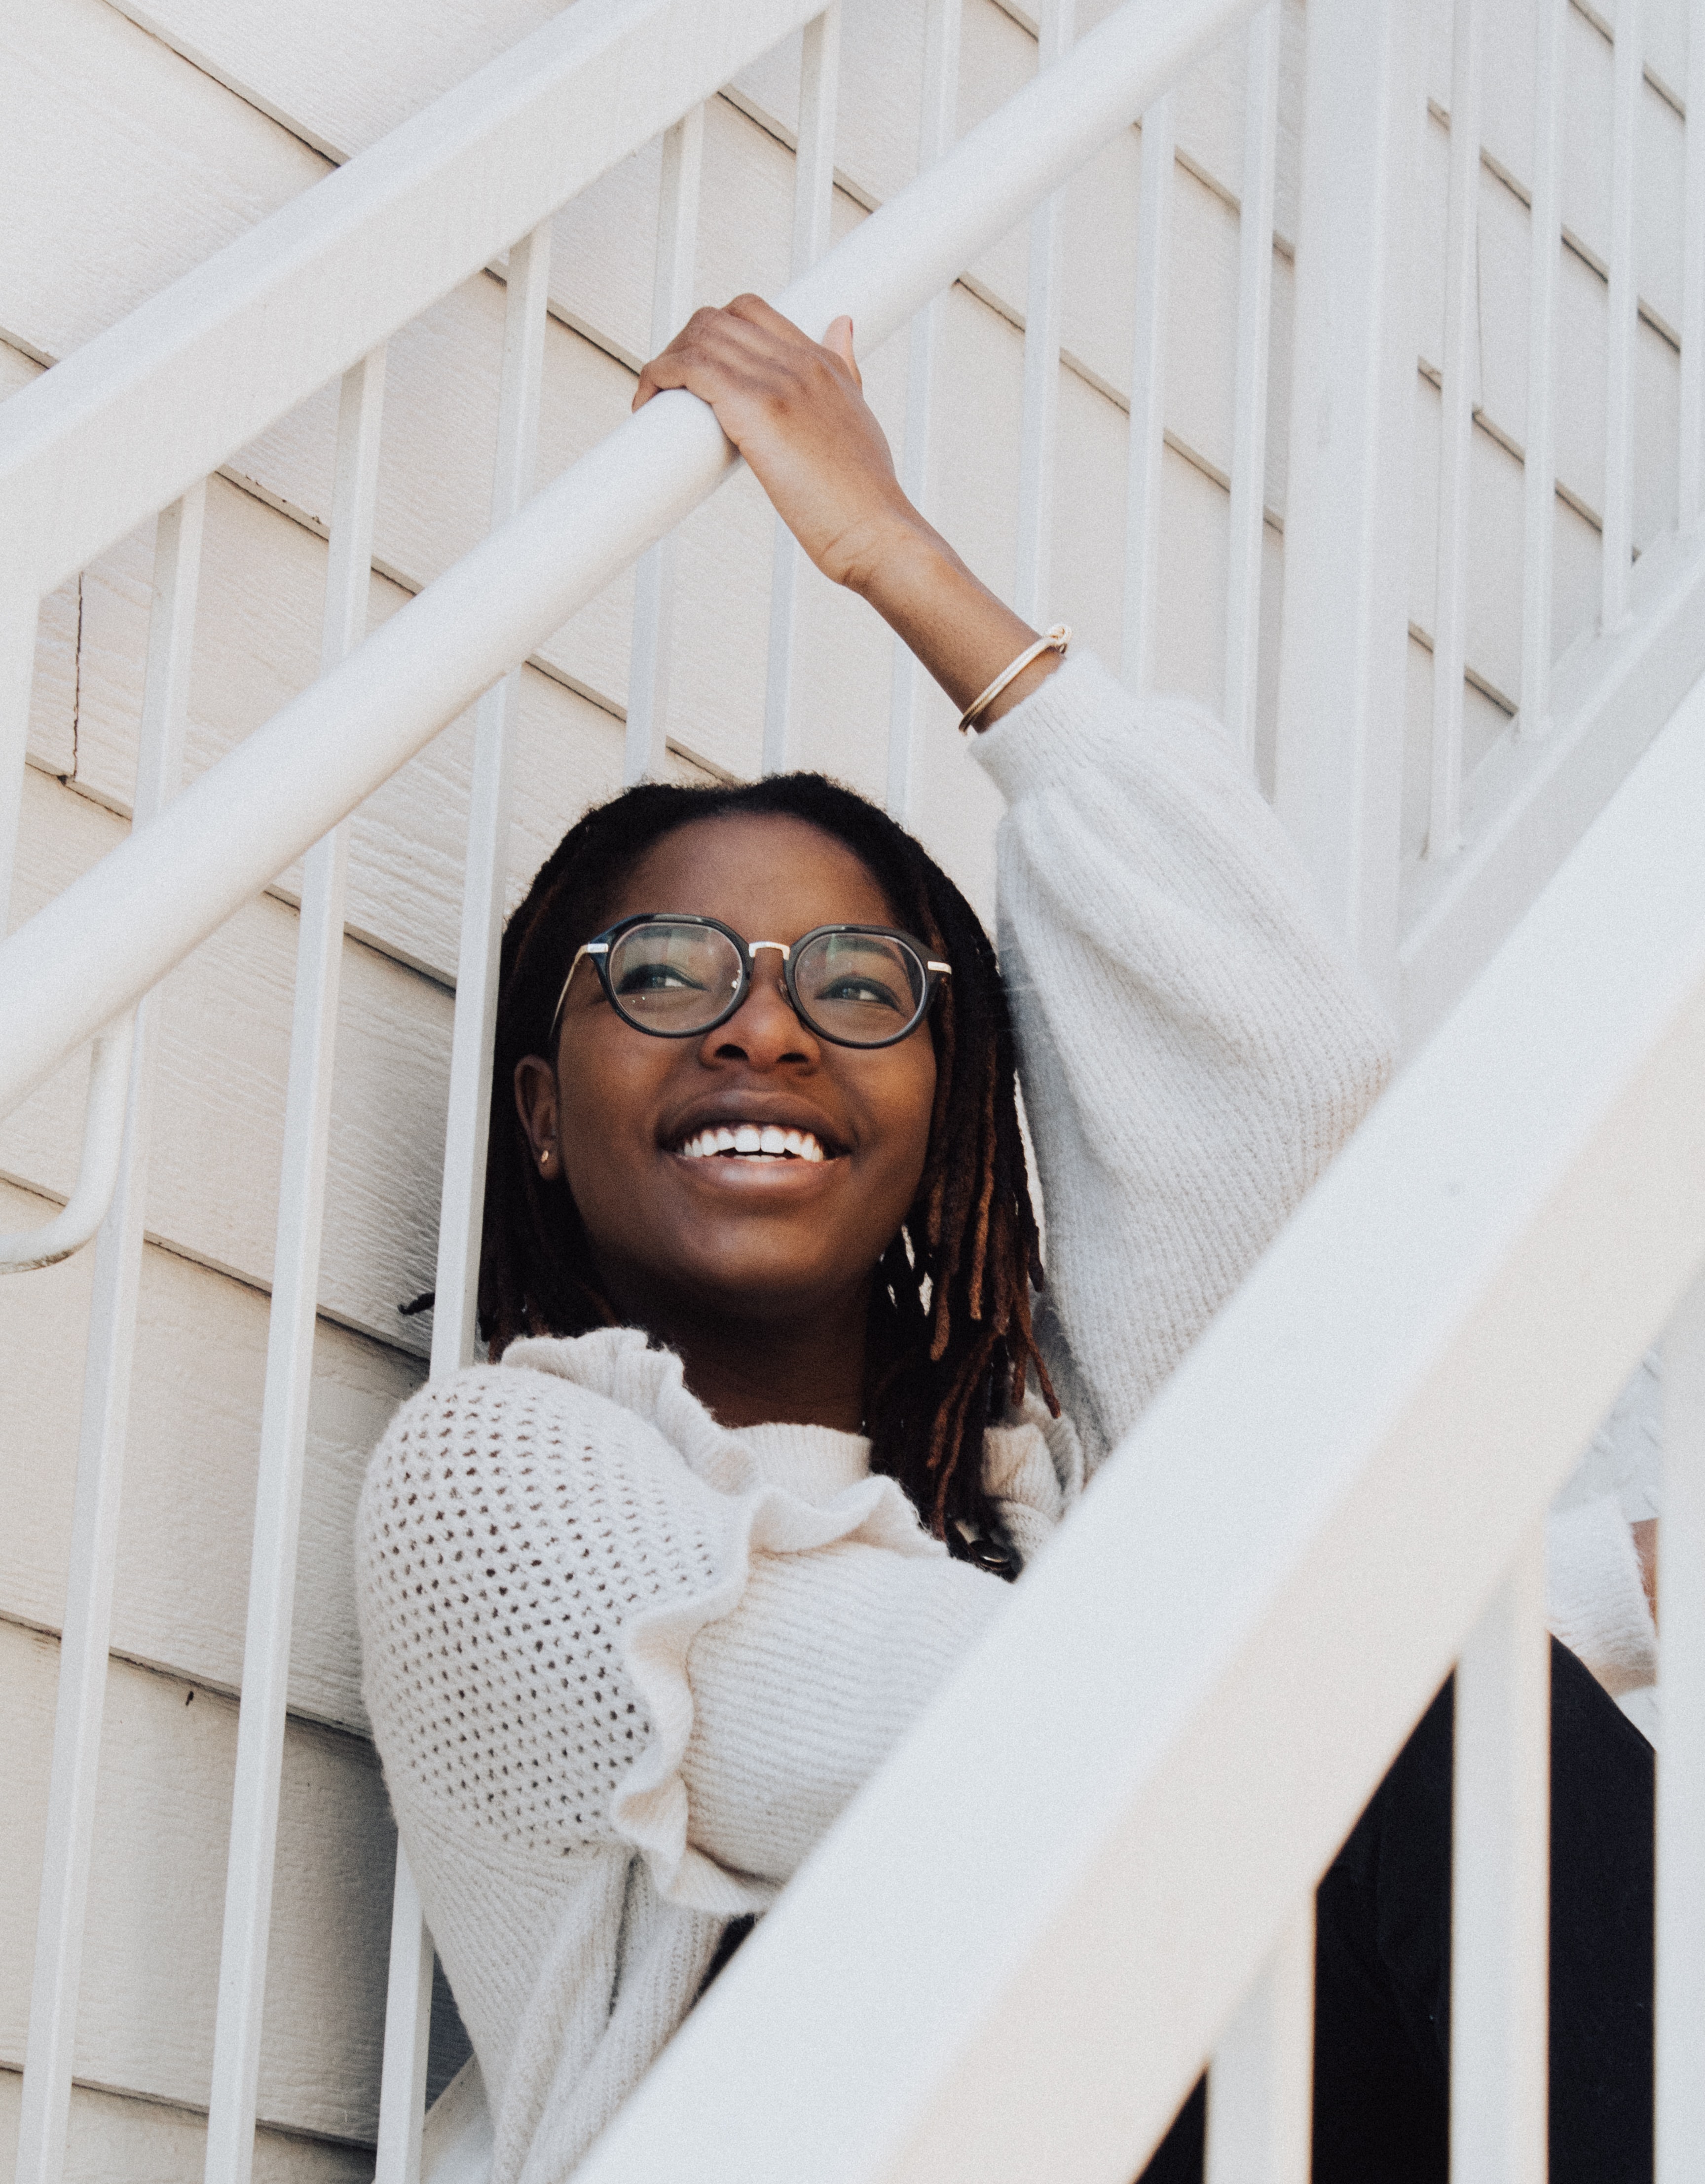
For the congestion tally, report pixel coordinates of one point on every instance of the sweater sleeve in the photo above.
(801, 1694)
(1194, 1046)
(1595, 1601)
(571, 1638)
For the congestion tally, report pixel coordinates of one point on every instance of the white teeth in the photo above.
(770, 1142)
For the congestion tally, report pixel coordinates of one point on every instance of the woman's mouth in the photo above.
(751, 1141)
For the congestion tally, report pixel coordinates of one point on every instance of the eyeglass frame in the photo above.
(598, 947)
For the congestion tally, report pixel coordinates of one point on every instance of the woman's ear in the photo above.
(535, 1102)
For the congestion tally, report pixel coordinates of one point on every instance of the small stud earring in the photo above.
(544, 1162)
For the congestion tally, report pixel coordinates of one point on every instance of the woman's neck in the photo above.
(804, 1369)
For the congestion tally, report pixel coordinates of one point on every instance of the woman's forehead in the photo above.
(770, 876)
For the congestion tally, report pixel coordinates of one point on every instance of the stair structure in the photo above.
(1343, 366)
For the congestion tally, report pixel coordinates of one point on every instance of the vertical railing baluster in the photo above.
(1455, 437)
(486, 871)
(1040, 421)
(938, 112)
(672, 304)
(1343, 654)
(1539, 474)
(409, 1994)
(813, 192)
(1624, 309)
(1681, 1750)
(408, 2033)
(87, 1632)
(1247, 518)
(1147, 442)
(290, 1339)
(1260, 2084)
(1692, 450)
(1501, 1862)
(19, 612)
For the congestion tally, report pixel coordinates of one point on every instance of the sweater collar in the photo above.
(816, 1463)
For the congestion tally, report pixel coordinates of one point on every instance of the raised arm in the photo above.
(1193, 1047)
(796, 410)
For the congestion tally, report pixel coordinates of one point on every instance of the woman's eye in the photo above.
(655, 978)
(850, 989)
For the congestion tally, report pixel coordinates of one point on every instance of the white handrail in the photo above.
(343, 265)
(1478, 1272)
(119, 930)
(97, 1171)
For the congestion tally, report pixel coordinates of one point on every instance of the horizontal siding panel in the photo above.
(117, 2140)
(181, 1585)
(258, 643)
(157, 1896)
(123, 168)
(223, 1050)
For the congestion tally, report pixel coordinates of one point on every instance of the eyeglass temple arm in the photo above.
(590, 948)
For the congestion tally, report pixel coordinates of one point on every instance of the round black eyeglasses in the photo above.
(678, 977)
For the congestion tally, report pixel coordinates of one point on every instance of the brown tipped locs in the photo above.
(950, 1345)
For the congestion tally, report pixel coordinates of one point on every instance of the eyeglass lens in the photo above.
(858, 989)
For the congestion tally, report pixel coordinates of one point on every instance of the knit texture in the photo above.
(625, 1667)
(1595, 1601)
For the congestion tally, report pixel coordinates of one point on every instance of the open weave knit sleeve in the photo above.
(1192, 1045)
(538, 1564)
(1193, 1048)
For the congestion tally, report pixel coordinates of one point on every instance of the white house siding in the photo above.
(137, 140)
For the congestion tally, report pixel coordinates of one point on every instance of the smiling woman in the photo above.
(777, 1394)
(876, 1280)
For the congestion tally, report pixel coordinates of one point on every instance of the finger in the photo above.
(755, 312)
(839, 341)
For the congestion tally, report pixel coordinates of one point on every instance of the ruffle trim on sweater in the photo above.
(650, 1808)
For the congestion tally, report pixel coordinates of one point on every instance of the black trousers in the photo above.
(1382, 1964)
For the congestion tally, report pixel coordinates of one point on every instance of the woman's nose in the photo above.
(764, 1030)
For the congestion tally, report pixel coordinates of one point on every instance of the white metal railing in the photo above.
(652, 472)
(1095, 1852)
(1580, 723)
(381, 240)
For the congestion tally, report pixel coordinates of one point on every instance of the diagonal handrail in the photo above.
(143, 411)
(119, 930)
(1010, 1960)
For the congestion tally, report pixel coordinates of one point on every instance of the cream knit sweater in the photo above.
(625, 1667)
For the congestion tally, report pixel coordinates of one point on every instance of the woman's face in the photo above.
(726, 1236)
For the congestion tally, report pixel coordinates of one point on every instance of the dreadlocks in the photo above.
(949, 1342)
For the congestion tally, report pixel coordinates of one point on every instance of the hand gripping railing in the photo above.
(1090, 1866)
(83, 456)
(386, 701)
(115, 931)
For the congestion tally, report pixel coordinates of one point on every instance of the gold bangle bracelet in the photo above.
(1057, 640)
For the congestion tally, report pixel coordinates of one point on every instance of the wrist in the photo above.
(897, 558)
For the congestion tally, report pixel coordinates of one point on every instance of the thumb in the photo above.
(839, 339)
